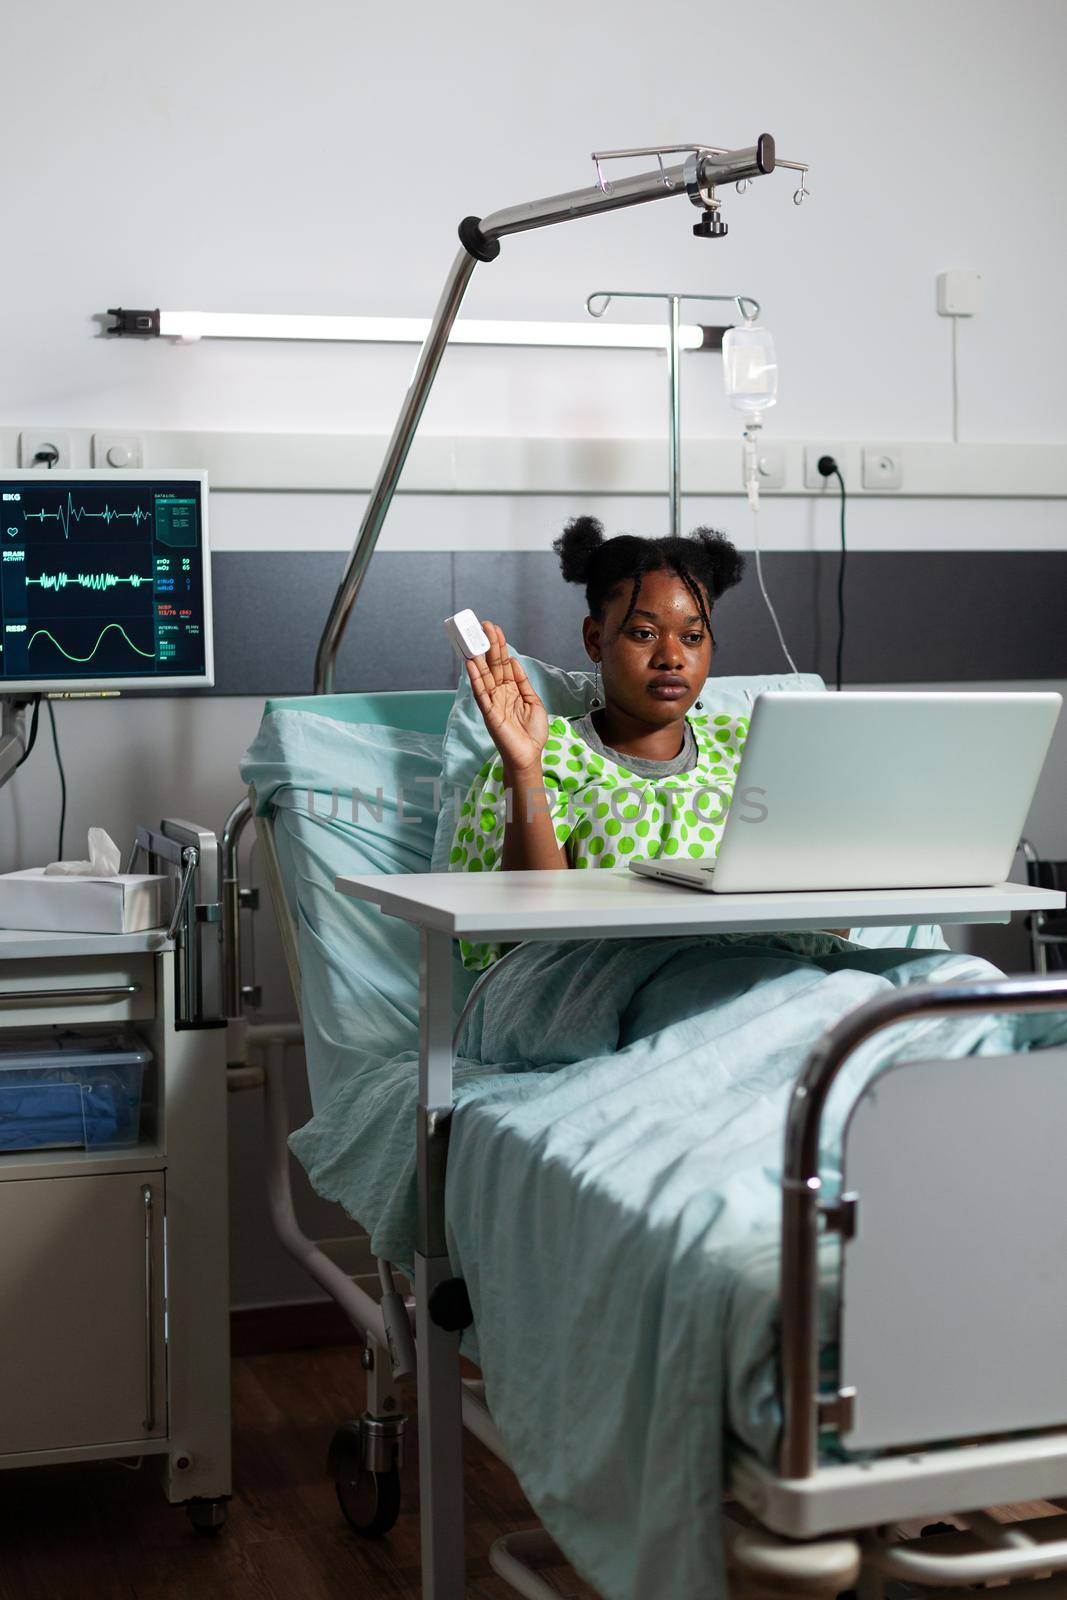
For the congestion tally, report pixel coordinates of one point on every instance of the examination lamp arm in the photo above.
(696, 177)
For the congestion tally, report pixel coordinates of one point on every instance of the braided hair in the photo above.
(706, 562)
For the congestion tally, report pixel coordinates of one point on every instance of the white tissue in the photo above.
(104, 859)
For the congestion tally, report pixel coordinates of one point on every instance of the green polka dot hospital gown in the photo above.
(604, 814)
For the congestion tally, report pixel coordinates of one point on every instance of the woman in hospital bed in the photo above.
(649, 769)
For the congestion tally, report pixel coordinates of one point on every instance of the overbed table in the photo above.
(517, 906)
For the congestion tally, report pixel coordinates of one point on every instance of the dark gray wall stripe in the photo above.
(920, 617)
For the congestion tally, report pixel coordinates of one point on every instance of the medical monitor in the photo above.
(105, 581)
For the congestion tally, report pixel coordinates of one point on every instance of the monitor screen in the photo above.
(105, 581)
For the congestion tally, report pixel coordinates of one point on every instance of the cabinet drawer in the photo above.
(82, 1355)
(77, 990)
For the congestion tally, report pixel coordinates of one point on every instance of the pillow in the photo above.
(564, 694)
(358, 968)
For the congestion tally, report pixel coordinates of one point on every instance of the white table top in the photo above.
(579, 905)
(24, 945)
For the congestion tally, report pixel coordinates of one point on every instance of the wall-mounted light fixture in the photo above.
(187, 327)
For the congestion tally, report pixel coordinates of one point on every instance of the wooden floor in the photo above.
(103, 1532)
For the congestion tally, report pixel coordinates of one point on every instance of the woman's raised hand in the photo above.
(514, 715)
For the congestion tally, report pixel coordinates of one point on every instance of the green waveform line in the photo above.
(88, 580)
(72, 513)
(149, 655)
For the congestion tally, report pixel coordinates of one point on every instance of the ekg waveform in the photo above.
(69, 513)
(86, 580)
(149, 655)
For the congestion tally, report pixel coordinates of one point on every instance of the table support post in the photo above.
(437, 1351)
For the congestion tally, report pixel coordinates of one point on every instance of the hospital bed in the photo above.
(949, 1219)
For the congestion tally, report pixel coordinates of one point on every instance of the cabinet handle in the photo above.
(29, 997)
(149, 1316)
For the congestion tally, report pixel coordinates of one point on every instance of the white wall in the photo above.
(318, 158)
(253, 156)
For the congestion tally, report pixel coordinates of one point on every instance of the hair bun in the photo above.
(721, 565)
(577, 547)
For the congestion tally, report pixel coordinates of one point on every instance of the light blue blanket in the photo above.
(613, 1200)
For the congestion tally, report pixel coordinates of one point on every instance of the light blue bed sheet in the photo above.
(613, 1181)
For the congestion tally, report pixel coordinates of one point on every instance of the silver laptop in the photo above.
(876, 789)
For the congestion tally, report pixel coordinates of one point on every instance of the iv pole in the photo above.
(703, 168)
(674, 302)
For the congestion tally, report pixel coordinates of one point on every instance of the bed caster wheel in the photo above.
(369, 1501)
(208, 1517)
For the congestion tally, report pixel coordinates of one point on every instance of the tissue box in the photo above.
(127, 903)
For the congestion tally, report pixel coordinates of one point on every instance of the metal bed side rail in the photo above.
(272, 871)
(386, 1321)
(801, 1184)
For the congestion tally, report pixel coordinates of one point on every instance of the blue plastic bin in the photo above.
(70, 1091)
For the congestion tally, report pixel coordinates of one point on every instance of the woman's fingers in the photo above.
(506, 664)
(495, 653)
(522, 682)
(500, 659)
(481, 666)
(482, 684)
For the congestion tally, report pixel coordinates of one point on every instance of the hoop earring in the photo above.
(596, 702)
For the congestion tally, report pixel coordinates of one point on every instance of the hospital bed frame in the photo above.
(810, 1525)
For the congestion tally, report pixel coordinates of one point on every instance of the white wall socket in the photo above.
(882, 467)
(770, 465)
(30, 442)
(118, 450)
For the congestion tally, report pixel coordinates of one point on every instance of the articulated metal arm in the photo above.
(697, 177)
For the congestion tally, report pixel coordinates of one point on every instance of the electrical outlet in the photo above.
(813, 454)
(770, 465)
(118, 450)
(31, 443)
(883, 468)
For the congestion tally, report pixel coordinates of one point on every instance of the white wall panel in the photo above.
(319, 159)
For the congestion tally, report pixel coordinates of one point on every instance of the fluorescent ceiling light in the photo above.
(190, 326)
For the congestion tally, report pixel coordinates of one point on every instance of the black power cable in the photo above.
(62, 780)
(829, 469)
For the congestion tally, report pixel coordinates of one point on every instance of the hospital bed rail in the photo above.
(803, 1209)
(821, 1500)
(256, 1057)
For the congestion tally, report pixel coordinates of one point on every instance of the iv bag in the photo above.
(750, 368)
